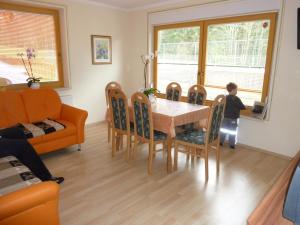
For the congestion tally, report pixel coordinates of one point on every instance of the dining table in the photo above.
(167, 115)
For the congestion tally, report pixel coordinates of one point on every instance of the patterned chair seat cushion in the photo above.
(192, 136)
(159, 136)
(14, 175)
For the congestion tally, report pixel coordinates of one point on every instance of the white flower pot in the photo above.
(35, 85)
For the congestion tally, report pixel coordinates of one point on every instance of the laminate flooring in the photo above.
(99, 189)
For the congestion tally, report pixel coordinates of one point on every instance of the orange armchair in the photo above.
(34, 205)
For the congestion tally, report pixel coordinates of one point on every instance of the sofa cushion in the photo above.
(40, 128)
(41, 104)
(12, 109)
(14, 175)
(69, 130)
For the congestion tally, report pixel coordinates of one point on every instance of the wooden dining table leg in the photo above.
(169, 156)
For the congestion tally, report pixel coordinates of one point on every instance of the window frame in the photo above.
(174, 26)
(56, 16)
(203, 49)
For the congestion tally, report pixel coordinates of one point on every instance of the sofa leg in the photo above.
(79, 147)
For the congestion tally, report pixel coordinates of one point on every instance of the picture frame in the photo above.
(101, 49)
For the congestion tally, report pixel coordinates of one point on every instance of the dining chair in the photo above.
(119, 114)
(197, 141)
(197, 94)
(110, 85)
(143, 127)
(173, 91)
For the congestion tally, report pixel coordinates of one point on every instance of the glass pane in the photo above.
(236, 52)
(22, 30)
(178, 51)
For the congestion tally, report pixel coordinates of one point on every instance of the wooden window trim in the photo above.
(202, 50)
(55, 14)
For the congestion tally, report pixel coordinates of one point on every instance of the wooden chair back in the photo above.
(142, 117)
(197, 94)
(119, 112)
(111, 85)
(215, 119)
(173, 91)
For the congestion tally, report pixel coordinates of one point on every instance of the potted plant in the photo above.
(150, 93)
(32, 81)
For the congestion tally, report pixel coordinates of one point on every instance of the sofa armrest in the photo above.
(36, 204)
(77, 117)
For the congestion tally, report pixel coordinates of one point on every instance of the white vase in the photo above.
(35, 85)
(152, 98)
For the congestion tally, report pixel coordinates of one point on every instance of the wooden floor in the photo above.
(99, 189)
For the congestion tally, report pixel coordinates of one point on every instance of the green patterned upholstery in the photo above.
(173, 94)
(138, 118)
(196, 98)
(192, 136)
(119, 113)
(195, 136)
(159, 136)
(142, 121)
(216, 122)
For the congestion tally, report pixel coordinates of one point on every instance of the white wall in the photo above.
(87, 81)
(280, 134)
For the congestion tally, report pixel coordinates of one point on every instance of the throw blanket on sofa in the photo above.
(14, 175)
(47, 126)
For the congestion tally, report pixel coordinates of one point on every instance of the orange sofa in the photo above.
(33, 205)
(29, 106)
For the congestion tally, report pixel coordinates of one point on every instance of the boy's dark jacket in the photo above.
(233, 107)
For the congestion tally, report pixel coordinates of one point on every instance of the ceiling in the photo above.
(134, 4)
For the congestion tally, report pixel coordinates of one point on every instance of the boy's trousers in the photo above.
(230, 126)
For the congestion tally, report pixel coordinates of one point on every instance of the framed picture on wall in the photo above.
(101, 49)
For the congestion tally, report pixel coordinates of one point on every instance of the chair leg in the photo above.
(128, 147)
(193, 152)
(218, 155)
(175, 156)
(109, 130)
(164, 150)
(150, 158)
(135, 148)
(113, 142)
(117, 139)
(121, 142)
(206, 163)
(187, 154)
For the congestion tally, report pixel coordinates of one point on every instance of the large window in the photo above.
(178, 56)
(23, 27)
(215, 52)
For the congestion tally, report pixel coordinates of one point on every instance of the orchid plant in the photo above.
(30, 55)
(146, 59)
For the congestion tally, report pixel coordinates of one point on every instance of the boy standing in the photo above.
(231, 115)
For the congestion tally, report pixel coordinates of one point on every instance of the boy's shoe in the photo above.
(232, 146)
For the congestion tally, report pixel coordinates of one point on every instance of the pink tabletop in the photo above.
(169, 114)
